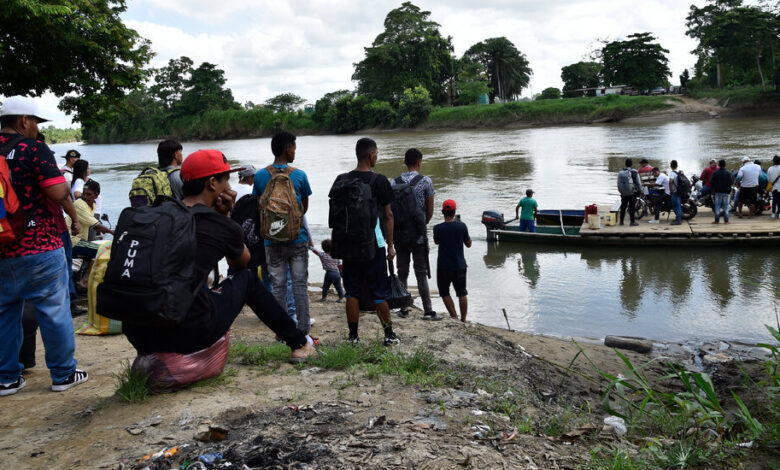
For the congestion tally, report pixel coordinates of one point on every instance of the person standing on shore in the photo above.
(415, 251)
(359, 239)
(720, 182)
(747, 177)
(451, 235)
(32, 266)
(528, 205)
(291, 255)
(773, 174)
(628, 185)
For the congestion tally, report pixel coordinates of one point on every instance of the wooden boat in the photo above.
(566, 226)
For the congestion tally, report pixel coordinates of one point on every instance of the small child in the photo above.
(332, 271)
(451, 235)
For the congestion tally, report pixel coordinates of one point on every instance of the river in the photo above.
(658, 293)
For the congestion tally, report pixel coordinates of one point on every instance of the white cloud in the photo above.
(308, 46)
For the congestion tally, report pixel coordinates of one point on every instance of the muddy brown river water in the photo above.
(664, 294)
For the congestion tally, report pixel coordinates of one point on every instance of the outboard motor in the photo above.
(492, 220)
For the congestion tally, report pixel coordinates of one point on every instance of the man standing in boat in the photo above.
(628, 185)
(528, 215)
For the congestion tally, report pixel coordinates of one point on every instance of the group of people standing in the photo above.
(34, 267)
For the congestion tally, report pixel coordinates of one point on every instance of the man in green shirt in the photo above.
(529, 205)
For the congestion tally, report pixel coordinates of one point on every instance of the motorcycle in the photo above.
(646, 204)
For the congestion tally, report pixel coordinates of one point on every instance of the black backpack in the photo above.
(683, 185)
(353, 216)
(150, 279)
(408, 217)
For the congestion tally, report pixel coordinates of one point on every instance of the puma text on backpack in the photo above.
(625, 182)
(149, 185)
(683, 185)
(149, 279)
(353, 218)
(12, 218)
(280, 215)
(408, 217)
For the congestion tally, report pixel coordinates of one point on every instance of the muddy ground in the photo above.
(306, 417)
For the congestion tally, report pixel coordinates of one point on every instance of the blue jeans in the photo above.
(296, 258)
(266, 281)
(67, 244)
(721, 202)
(527, 226)
(677, 206)
(332, 278)
(41, 280)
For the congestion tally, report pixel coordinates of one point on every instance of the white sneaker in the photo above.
(654, 221)
(772, 215)
(312, 321)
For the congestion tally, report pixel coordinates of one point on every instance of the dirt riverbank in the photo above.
(512, 405)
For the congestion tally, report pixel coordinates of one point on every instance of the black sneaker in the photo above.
(403, 313)
(353, 340)
(391, 340)
(432, 316)
(10, 389)
(76, 311)
(75, 378)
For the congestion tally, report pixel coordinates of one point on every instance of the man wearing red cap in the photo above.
(205, 175)
(451, 235)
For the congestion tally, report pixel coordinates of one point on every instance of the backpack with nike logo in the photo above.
(280, 214)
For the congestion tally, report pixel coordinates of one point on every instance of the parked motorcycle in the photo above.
(646, 204)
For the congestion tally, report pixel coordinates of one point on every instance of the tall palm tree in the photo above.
(506, 67)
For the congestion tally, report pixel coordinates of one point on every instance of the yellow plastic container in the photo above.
(610, 219)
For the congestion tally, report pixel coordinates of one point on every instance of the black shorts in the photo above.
(369, 276)
(748, 195)
(456, 277)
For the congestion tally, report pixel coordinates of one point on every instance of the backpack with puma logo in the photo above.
(280, 214)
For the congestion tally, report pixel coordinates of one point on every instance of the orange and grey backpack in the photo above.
(12, 218)
(280, 214)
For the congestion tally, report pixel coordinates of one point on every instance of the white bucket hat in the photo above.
(21, 106)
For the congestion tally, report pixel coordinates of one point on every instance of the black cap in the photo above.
(529, 192)
(644, 160)
(72, 154)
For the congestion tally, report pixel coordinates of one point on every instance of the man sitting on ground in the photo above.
(85, 211)
(205, 174)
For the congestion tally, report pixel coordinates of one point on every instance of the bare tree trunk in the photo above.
(774, 66)
(760, 72)
(498, 80)
(720, 75)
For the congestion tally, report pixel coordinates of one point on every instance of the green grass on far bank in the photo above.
(744, 96)
(566, 110)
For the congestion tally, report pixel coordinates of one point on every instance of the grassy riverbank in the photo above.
(740, 97)
(450, 395)
(564, 111)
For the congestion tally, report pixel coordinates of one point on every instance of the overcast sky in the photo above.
(308, 47)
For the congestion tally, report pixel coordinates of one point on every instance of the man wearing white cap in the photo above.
(33, 266)
(747, 177)
(246, 181)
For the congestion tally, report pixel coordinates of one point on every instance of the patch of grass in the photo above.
(132, 387)
(740, 96)
(222, 379)
(550, 111)
(270, 355)
(613, 459)
(345, 356)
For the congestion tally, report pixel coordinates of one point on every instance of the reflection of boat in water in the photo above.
(566, 226)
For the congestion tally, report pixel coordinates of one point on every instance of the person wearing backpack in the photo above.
(359, 239)
(284, 197)
(165, 180)
(412, 210)
(629, 185)
(208, 199)
(32, 259)
(675, 188)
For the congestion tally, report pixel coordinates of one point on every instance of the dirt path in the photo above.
(313, 418)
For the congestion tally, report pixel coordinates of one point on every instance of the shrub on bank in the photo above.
(743, 96)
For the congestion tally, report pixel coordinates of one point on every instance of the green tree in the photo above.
(323, 108)
(380, 113)
(472, 83)
(704, 24)
(410, 52)
(205, 91)
(285, 102)
(171, 81)
(415, 106)
(550, 93)
(71, 47)
(506, 67)
(684, 77)
(637, 61)
(581, 75)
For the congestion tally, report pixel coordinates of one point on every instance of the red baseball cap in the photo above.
(204, 163)
(448, 205)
